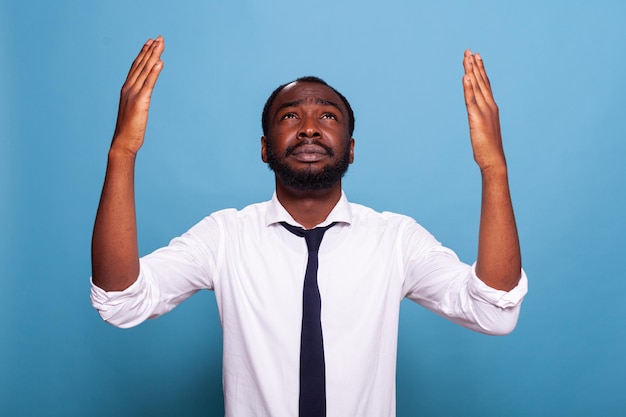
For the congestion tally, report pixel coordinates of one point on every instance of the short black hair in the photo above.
(308, 79)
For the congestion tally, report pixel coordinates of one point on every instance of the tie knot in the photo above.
(313, 237)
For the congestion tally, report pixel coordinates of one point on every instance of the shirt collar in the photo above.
(276, 213)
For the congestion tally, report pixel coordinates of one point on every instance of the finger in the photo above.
(468, 89)
(469, 92)
(481, 66)
(472, 78)
(146, 61)
(151, 79)
(481, 83)
(481, 74)
(466, 64)
(142, 53)
(139, 60)
(471, 68)
(147, 68)
(482, 80)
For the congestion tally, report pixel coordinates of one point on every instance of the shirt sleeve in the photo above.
(436, 279)
(167, 277)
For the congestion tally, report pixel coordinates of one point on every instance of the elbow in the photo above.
(503, 330)
(499, 321)
(114, 282)
(126, 308)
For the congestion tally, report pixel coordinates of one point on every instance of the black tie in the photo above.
(312, 368)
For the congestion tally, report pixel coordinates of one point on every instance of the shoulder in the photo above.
(253, 212)
(225, 221)
(361, 213)
(389, 229)
(363, 216)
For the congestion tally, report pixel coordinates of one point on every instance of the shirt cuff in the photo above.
(120, 308)
(503, 299)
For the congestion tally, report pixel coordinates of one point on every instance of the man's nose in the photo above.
(309, 128)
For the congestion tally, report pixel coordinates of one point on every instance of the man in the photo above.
(257, 262)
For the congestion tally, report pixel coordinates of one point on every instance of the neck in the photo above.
(309, 208)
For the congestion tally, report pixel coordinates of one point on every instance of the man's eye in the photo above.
(288, 116)
(329, 116)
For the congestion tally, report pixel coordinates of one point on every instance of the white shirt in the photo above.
(368, 263)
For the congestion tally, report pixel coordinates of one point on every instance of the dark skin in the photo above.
(305, 115)
(499, 260)
(114, 249)
(303, 112)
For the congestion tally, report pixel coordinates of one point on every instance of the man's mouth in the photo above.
(310, 152)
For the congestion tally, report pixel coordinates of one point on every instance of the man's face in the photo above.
(308, 145)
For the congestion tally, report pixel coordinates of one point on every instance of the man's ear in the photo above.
(264, 148)
(351, 150)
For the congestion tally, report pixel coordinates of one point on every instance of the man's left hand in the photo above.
(482, 114)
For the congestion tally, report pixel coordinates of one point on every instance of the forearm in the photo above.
(114, 250)
(499, 260)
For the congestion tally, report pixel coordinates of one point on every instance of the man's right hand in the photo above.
(114, 249)
(132, 116)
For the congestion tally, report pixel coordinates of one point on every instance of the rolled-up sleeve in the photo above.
(167, 277)
(436, 279)
(126, 308)
(495, 312)
(503, 299)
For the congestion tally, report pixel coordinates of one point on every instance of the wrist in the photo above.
(120, 153)
(494, 163)
(494, 171)
(124, 145)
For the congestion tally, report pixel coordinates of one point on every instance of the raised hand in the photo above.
(498, 262)
(132, 116)
(482, 114)
(114, 250)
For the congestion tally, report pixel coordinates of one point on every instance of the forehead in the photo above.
(305, 92)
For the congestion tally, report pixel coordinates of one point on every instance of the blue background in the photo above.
(557, 69)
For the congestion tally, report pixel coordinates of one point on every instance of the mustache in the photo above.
(328, 149)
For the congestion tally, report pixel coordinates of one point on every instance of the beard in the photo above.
(308, 179)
